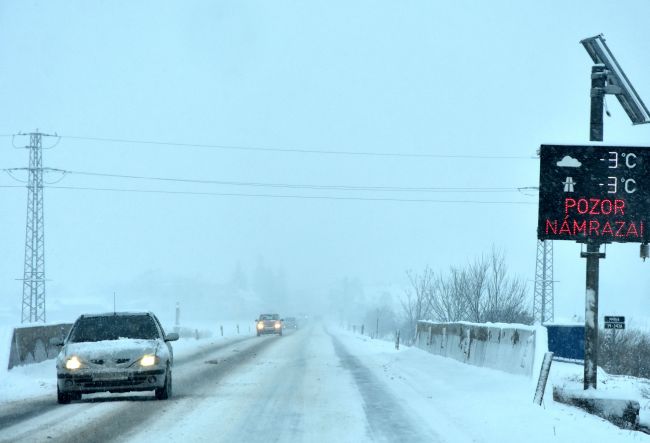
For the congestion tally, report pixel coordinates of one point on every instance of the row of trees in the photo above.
(482, 291)
(625, 352)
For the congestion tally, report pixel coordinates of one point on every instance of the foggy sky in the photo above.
(479, 79)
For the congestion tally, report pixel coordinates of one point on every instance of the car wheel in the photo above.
(61, 397)
(166, 391)
(280, 333)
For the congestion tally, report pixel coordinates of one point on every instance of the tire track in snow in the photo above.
(117, 422)
(22, 410)
(388, 422)
(277, 417)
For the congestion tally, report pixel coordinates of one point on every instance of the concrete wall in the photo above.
(31, 344)
(509, 348)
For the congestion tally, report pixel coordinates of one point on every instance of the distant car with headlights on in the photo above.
(115, 352)
(268, 324)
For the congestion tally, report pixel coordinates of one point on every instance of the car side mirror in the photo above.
(172, 336)
(56, 341)
(281, 319)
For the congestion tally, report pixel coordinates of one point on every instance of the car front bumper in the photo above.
(114, 381)
(269, 331)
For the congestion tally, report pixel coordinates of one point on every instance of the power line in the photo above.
(287, 185)
(10, 174)
(65, 172)
(276, 185)
(22, 134)
(298, 150)
(289, 196)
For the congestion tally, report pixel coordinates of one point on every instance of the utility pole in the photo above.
(377, 327)
(543, 304)
(33, 306)
(177, 323)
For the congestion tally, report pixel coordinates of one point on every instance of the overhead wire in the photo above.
(286, 196)
(355, 188)
(294, 185)
(297, 150)
(277, 185)
(9, 172)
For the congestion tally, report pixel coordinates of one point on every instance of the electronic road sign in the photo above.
(594, 193)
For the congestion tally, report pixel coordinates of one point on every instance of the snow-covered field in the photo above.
(489, 405)
(321, 384)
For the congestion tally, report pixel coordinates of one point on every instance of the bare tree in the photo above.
(482, 291)
(474, 290)
(615, 347)
(381, 321)
(506, 296)
(447, 302)
(416, 303)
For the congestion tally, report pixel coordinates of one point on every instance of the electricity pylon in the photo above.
(33, 308)
(543, 308)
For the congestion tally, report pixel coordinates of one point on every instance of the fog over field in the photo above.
(239, 157)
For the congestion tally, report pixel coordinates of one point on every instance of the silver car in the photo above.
(268, 324)
(116, 352)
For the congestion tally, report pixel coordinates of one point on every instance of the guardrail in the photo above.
(506, 348)
(31, 344)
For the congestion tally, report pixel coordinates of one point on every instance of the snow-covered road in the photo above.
(316, 384)
(304, 387)
(102, 417)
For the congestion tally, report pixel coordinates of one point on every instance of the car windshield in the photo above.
(114, 327)
(269, 317)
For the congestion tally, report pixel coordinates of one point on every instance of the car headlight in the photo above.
(278, 325)
(260, 325)
(73, 363)
(148, 360)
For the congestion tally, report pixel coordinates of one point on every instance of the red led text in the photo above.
(594, 206)
(595, 228)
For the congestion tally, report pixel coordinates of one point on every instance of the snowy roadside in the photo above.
(39, 379)
(488, 405)
(570, 376)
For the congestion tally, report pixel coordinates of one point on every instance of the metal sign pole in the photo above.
(598, 83)
(592, 255)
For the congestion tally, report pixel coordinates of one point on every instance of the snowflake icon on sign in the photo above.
(568, 184)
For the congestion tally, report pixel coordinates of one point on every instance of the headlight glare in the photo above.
(148, 360)
(260, 325)
(277, 325)
(73, 363)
